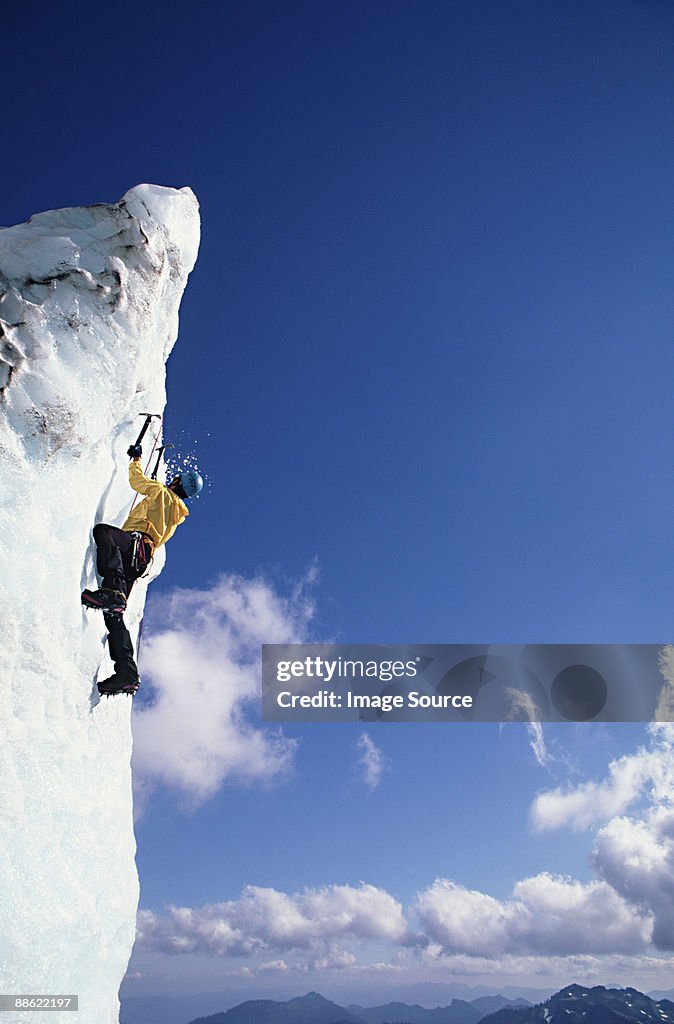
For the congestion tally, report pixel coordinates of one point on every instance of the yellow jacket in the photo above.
(160, 511)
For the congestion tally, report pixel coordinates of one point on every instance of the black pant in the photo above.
(114, 551)
(121, 648)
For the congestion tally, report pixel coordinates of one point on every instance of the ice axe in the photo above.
(156, 465)
(135, 451)
(148, 416)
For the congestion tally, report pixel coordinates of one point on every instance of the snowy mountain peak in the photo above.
(597, 1005)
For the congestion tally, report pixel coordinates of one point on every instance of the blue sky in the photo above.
(425, 362)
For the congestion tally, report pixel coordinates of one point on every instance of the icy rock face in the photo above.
(88, 316)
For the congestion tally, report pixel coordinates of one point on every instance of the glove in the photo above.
(135, 451)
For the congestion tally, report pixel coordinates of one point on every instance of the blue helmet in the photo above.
(190, 483)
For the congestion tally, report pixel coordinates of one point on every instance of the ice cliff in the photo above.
(89, 302)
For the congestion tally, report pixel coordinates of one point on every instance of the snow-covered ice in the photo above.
(89, 301)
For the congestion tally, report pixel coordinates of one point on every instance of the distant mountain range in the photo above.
(315, 1009)
(459, 1011)
(178, 1009)
(571, 1005)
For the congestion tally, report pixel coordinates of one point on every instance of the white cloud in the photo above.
(647, 773)
(454, 917)
(546, 915)
(634, 855)
(274, 967)
(537, 743)
(547, 920)
(637, 859)
(523, 708)
(263, 920)
(372, 761)
(553, 971)
(591, 802)
(203, 664)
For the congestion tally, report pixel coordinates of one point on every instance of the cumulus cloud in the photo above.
(203, 665)
(372, 761)
(546, 915)
(634, 855)
(637, 859)
(546, 920)
(554, 971)
(580, 806)
(264, 920)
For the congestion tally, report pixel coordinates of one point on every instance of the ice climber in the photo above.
(123, 555)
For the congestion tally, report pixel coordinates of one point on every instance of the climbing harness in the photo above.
(142, 555)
